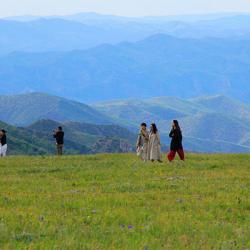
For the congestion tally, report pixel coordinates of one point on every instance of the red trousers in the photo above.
(172, 153)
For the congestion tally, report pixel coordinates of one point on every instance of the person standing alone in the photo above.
(59, 136)
(3, 143)
(176, 142)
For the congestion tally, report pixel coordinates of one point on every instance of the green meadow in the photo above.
(117, 202)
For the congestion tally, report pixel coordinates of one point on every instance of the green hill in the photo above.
(22, 141)
(224, 105)
(116, 201)
(215, 126)
(209, 124)
(80, 138)
(133, 112)
(25, 109)
(113, 137)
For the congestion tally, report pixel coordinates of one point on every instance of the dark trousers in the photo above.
(172, 153)
(59, 149)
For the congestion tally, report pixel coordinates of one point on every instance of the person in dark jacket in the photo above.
(176, 142)
(59, 136)
(3, 143)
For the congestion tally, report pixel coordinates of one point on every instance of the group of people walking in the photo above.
(3, 143)
(149, 144)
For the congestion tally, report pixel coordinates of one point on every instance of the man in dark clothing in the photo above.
(176, 142)
(59, 136)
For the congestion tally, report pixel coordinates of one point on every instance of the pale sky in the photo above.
(120, 7)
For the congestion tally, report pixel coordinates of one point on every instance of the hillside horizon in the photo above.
(210, 124)
(212, 15)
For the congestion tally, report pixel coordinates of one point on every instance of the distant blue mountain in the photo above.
(157, 66)
(48, 35)
(85, 30)
(91, 17)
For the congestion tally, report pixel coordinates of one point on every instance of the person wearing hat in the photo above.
(3, 143)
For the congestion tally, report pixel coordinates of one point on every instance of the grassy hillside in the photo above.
(224, 105)
(25, 109)
(80, 138)
(88, 138)
(210, 124)
(23, 142)
(117, 202)
(159, 109)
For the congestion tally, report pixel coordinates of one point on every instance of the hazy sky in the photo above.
(121, 7)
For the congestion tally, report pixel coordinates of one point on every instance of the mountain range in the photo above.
(209, 124)
(157, 66)
(90, 57)
(85, 30)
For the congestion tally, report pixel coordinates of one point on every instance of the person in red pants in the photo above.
(176, 142)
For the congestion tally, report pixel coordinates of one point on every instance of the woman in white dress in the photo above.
(154, 144)
(142, 143)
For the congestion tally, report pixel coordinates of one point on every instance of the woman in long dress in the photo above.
(142, 143)
(154, 144)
